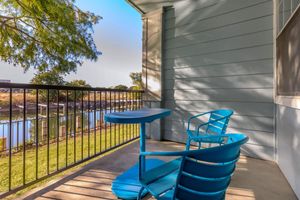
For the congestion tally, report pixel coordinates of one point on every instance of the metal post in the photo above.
(142, 145)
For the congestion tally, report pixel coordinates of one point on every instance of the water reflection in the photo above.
(92, 117)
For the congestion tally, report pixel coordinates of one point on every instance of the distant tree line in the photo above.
(136, 80)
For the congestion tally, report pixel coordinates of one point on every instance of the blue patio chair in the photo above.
(216, 125)
(201, 174)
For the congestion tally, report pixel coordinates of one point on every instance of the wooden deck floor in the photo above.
(253, 179)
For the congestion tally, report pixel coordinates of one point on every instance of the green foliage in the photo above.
(135, 88)
(79, 94)
(121, 87)
(78, 83)
(48, 78)
(136, 78)
(52, 78)
(48, 35)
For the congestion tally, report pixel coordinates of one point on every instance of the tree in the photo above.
(136, 78)
(79, 94)
(52, 36)
(78, 83)
(48, 78)
(121, 87)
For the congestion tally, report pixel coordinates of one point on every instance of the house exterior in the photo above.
(200, 55)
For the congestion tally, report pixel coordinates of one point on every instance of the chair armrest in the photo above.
(163, 153)
(196, 116)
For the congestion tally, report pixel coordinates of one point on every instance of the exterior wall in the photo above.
(288, 141)
(219, 54)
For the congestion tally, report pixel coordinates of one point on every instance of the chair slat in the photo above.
(204, 184)
(225, 155)
(208, 170)
(184, 193)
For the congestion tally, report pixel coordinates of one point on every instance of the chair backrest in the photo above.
(220, 126)
(206, 173)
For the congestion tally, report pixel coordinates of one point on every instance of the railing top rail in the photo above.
(60, 87)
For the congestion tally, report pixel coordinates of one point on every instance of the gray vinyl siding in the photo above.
(219, 54)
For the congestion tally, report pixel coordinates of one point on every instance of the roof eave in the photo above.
(136, 7)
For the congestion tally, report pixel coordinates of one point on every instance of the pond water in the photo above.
(17, 127)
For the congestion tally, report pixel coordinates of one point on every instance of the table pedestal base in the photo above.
(127, 185)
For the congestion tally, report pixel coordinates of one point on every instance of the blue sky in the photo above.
(118, 36)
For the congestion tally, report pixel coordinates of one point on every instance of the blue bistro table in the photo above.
(126, 185)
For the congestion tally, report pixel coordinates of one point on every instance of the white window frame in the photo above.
(289, 101)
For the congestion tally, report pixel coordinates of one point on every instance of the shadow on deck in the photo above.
(253, 178)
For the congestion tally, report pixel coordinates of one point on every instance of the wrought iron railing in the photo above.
(47, 129)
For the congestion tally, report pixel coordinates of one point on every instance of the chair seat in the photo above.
(162, 178)
(127, 185)
(163, 184)
(202, 137)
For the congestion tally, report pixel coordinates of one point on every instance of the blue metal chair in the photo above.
(197, 174)
(216, 125)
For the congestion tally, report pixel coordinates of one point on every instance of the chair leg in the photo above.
(139, 197)
(188, 144)
(199, 147)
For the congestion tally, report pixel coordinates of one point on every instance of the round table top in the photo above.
(137, 116)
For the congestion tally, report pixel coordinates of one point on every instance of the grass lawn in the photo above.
(85, 145)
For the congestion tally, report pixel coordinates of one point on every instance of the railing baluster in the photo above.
(105, 111)
(110, 137)
(67, 126)
(17, 122)
(57, 130)
(74, 127)
(126, 108)
(137, 107)
(24, 135)
(10, 138)
(134, 108)
(82, 125)
(37, 134)
(95, 143)
(88, 123)
(115, 128)
(119, 110)
(124, 125)
(100, 120)
(130, 108)
(48, 130)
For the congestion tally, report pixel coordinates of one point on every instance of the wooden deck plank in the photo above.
(253, 178)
